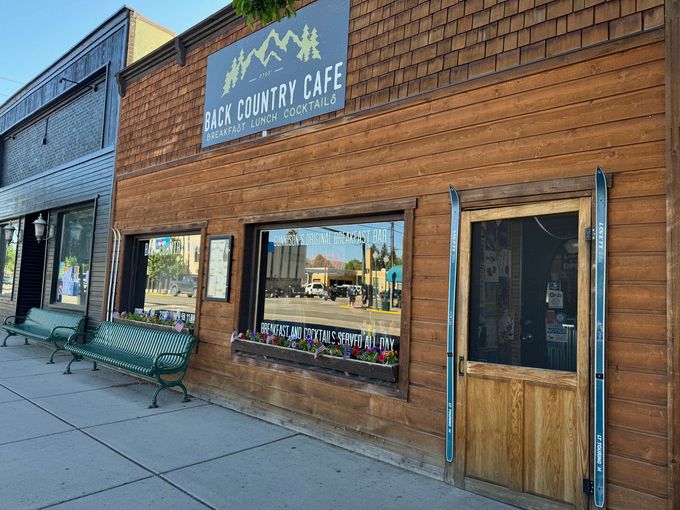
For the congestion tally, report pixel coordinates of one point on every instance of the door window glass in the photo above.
(523, 295)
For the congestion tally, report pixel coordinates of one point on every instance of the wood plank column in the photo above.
(672, 40)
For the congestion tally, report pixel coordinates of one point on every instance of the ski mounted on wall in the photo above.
(600, 239)
(450, 331)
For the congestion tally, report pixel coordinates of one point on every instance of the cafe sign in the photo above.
(288, 71)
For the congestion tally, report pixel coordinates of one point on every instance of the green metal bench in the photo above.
(144, 352)
(48, 326)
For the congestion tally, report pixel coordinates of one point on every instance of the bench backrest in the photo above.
(141, 341)
(50, 319)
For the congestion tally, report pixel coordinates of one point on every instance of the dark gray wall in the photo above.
(81, 64)
(66, 186)
(69, 132)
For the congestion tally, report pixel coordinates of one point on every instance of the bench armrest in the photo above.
(15, 317)
(62, 327)
(163, 354)
(71, 336)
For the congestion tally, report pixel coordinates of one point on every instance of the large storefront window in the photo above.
(165, 276)
(73, 254)
(340, 284)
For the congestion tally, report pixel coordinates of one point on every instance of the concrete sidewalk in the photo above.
(89, 441)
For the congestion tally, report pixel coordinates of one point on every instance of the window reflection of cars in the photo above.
(271, 293)
(340, 290)
(186, 285)
(289, 291)
(314, 289)
(294, 291)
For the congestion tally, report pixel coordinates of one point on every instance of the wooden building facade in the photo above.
(515, 103)
(57, 150)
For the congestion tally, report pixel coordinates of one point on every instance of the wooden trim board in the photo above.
(369, 208)
(672, 41)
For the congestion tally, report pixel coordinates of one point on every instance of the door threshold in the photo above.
(520, 499)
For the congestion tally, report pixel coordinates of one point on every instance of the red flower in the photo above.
(275, 341)
(355, 352)
(381, 357)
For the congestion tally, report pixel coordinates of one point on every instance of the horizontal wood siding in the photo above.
(563, 122)
(396, 49)
(67, 186)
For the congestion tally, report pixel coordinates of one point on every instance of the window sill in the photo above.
(66, 308)
(379, 371)
(274, 360)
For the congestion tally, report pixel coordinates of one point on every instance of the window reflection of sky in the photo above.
(332, 244)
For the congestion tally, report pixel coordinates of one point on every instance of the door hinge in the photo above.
(589, 233)
(588, 486)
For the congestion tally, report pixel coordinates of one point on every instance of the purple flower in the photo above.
(310, 341)
(294, 345)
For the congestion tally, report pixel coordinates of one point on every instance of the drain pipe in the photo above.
(113, 273)
(115, 276)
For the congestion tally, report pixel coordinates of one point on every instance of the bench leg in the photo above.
(56, 350)
(4, 342)
(68, 367)
(25, 340)
(94, 366)
(186, 396)
(153, 404)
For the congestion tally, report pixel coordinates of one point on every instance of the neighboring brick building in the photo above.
(515, 103)
(57, 147)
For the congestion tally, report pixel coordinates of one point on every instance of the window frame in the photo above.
(246, 317)
(57, 253)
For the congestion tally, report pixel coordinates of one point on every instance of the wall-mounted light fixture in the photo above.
(43, 231)
(10, 231)
(63, 79)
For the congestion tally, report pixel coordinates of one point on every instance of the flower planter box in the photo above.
(149, 325)
(350, 366)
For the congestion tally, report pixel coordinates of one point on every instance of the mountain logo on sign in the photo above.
(307, 43)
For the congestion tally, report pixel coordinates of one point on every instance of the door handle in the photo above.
(461, 360)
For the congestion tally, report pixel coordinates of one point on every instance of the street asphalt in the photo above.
(89, 441)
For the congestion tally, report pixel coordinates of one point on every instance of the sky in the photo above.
(35, 33)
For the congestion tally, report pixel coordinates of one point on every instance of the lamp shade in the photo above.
(9, 230)
(39, 226)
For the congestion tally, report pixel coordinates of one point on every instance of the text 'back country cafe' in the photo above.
(281, 99)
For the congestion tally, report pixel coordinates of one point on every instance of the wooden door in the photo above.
(522, 354)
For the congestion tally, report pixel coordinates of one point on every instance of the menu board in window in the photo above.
(219, 267)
